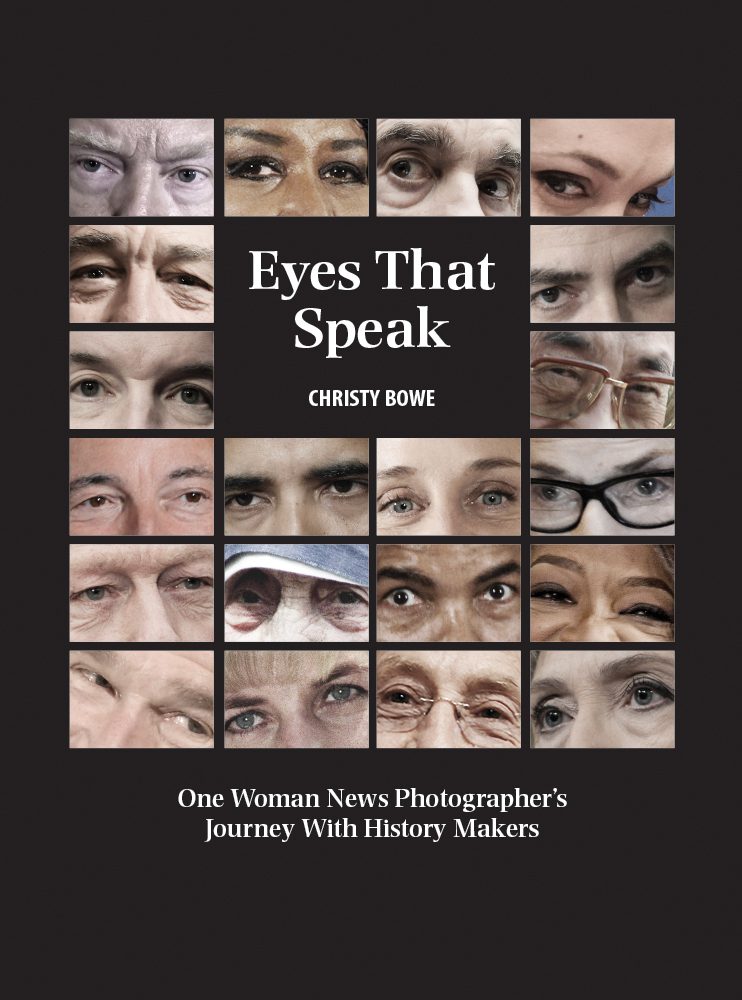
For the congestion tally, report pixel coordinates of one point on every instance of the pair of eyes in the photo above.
(95, 390)
(100, 272)
(338, 489)
(406, 597)
(268, 168)
(407, 169)
(643, 694)
(100, 502)
(648, 278)
(188, 722)
(403, 697)
(335, 697)
(555, 593)
(646, 488)
(571, 187)
(402, 502)
(253, 593)
(96, 169)
(106, 592)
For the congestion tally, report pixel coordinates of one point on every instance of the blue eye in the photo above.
(246, 720)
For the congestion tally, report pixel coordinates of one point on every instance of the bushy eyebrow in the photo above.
(403, 573)
(503, 569)
(245, 132)
(338, 470)
(566, 338)
(562, 561)
(193, 470)
(647, 581)
(555, 276)
(95, 479)
(98, 142)
(659, 363)
(434, 136)
(97, 240)
(205, 371)
(340, 144)
(659, 251)
(247, 482)
(636, 465)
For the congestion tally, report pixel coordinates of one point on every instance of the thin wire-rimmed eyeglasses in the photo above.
(640, 500)
(477, 730)
(562, 389)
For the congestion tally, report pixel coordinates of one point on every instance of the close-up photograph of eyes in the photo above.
(296, 593)
(599, 486)
(296, 486)
(602, 700)
(448, 486)
(154, 700)
(141, 593)
(448, 167)
(141, 486)
(602, 593)
(603, 380)
(141, 380)
(603, 167)
(141, 274)
(296, 699)
(448, 593)
(602, 274)
(454, 700)
(295, 167)
(123, 167)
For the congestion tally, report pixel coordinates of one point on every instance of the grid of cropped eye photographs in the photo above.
(378, 592)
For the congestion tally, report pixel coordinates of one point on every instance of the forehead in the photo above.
(605, 562)
(190, 665)
(291, 668)
(587, 664)
(468, 134)
(442, 561)
(300, 132)
(584, 245)
(137, 559)
(146, 238)
(617, 351)
(444, 455)
(290, 458)
(457, 668)
(106, 454)
(145, 355)
(597, 458)
(155, 135)
(607, 138)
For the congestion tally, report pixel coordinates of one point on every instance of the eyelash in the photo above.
(552, 592)
(547, 177)
(240, 169)
(184, 278)
(651, 611)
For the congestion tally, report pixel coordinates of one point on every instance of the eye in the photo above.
(89, 388)
(343, 693)
(193, 496)
(644, 199)
(561, 184)
(256, 168)
(91, 273)
(94, 593)
(398, 697)
(245, 500)
(191, 724)
(550, 296)
(95, 502)
(192, 583)
(644, 694)
(499, 188)
(409, 170)
(650, 487)
(402, 597)
(650, 611)
(346, 488)
(244, 722)
(343, 173)
(550, 494)
(499, 592)
(552, 592)
(549, 717)
(91, 166)
(97, 679)
(192, 395)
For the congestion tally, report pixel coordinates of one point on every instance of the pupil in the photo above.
(250, 597)
(192, 583)
(402, 168)
(400, 597)
(189, 395)
(193, 497)
(91, 165)
(648, 487)
(244, 499)
(493, 499)
(246, 721)
(341, 694)
(643, 695)
(645, 273)
(186, 279)
(344, 486)
(94, 593)
(97, 501)
(497, 591)
(89, 388)
(553, 717)
(399, 697)
(550, 294)
(348, 597)
(187, 175)
(401, 506)
(558, 185)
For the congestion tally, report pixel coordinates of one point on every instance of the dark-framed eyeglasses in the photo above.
(481, 724)
(640, 500)
(562, 389)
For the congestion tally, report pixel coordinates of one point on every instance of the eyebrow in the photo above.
(434, 136)
(660, 363)
(505, 155)
(96, 479)
(123, 562)
(607, 671)
(566, 338)
(661, 251)
(338, 470)
(97, 240)
(402, 573)
(592, 161)
(647, 581)
(97, 141)
(242, 699)
(559, 561)
(553, 276)
(635, 465)
(340, 144)
(189, 695)
(247, 482)
(191, 470)
(480, 465)
(199, 370)
(245, 132)
(502, 569)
